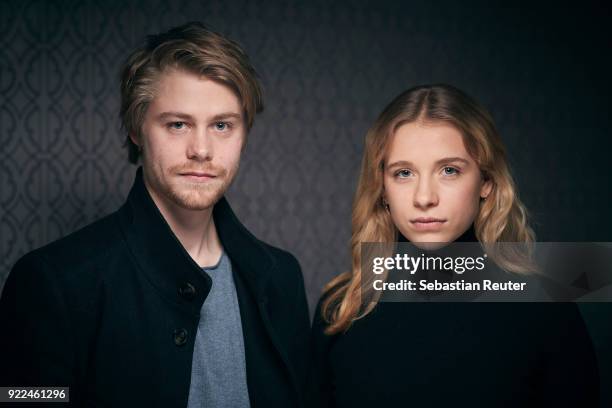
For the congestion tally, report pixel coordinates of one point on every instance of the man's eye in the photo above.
(177, 125)
(403, 173)
(222, 126)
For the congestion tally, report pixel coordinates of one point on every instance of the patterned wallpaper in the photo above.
(328, 69)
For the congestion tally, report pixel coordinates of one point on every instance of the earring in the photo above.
(384, 203)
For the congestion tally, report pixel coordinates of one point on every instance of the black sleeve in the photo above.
(304, 364)
(571, 375)
(36, 341)
(322, 377)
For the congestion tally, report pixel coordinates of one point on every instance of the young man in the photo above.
(170, 301)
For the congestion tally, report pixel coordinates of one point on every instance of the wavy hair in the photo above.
(501, 218)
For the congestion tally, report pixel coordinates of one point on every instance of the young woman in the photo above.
(434, 170)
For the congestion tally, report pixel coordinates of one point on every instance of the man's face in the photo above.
(192, 137)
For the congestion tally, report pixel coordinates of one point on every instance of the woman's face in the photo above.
(432, 185)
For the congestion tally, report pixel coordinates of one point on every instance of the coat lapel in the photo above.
(158, 252)
(256, 266)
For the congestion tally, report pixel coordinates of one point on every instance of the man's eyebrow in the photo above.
(177, 115)
(185, 116)
(226, 115)
(407, 163)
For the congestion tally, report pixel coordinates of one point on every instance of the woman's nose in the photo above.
(425, 195)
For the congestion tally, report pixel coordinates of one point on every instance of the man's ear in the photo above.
(134, 139)
(244, 142)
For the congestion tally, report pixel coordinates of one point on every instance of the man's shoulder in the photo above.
(74, 263)
(89, 243)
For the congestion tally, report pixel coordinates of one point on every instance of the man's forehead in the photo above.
(195, 95)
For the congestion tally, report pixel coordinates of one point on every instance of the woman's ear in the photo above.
(383, 200)
(486, 188)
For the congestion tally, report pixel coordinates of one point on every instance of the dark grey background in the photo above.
(328, 69)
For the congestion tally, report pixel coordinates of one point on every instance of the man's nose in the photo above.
(200, 146)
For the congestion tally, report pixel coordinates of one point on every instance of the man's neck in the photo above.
(195, 229)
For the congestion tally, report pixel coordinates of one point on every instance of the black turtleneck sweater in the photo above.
(459, 355)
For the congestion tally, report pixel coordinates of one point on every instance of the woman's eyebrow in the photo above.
(407, 163)
(400, 163)
(452, 159)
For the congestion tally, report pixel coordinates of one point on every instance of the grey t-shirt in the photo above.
(218, 369)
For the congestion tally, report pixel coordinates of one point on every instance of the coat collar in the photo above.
(167, 264)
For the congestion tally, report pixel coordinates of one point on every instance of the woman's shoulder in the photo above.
(319, 322)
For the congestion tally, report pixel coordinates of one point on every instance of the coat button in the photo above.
(187, 291)
(180, 337)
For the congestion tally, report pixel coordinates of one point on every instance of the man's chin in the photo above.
(197, 203)
(196, 200)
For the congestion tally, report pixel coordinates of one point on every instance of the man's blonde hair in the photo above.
(193, 48)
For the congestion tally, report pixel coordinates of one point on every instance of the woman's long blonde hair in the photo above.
(501, 218)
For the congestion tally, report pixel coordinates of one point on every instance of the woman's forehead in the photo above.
(426, 143)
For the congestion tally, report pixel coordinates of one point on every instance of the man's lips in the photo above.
(198, 175)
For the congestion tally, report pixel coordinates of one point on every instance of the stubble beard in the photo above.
(195, 196)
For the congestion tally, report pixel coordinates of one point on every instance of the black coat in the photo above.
(112, 311)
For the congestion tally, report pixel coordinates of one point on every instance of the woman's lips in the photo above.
(427, 224)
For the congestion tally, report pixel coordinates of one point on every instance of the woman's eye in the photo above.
(450, 171)
(403, 173)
